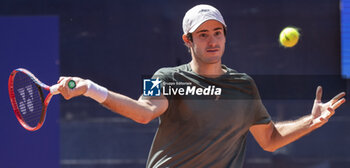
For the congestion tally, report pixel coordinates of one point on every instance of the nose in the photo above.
(212, 41)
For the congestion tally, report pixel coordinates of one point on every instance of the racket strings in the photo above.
(28, 98)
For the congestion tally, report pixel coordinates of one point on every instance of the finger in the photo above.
(323, 119)
(60, 79)
(67, 79)
(337, 97)
(61, 90)
(63, 82)
(319, 93)
(338, 103)
(62, 87)
(331, 112)
(77, 81)
(66, 97)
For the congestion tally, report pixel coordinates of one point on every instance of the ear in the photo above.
(187, 42)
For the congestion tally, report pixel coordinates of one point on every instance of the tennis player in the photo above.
(206, 131)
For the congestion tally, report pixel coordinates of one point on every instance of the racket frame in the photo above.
(45, 102)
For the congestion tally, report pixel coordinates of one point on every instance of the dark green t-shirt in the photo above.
(205, 130)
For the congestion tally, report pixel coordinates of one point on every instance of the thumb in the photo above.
(318, 93)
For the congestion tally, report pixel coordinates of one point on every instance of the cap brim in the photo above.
(195, 27)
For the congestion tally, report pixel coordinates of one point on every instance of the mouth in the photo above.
(213, 50)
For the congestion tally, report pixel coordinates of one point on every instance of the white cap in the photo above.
(198, 15)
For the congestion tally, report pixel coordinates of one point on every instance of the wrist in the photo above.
(95, 91)
(311, 122)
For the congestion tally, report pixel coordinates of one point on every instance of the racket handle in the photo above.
(54, 88)
(72, 84)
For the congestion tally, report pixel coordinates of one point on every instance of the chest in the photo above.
(209, 113)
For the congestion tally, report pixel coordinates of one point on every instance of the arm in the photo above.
(273, 136)
(143, 110)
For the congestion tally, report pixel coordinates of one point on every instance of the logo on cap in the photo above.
(204, 10)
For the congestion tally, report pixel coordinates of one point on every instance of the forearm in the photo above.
(289, 131)
(139, 111)
(142, 110)
(273, 136)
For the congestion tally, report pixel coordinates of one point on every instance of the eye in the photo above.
(218, 33)
(203, 35)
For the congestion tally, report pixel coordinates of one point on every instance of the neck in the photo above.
(208, 70)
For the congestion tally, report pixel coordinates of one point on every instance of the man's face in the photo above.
(209, 42)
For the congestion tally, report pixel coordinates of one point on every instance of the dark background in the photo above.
(115, 43)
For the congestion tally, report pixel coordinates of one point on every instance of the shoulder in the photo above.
(238, 75)
(171, 70)
(167, 73)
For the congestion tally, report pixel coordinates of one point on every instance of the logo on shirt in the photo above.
(151, 87)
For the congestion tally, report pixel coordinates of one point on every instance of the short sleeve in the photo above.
(261, 116)
(165, 75)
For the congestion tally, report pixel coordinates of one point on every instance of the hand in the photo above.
(66, 92)
(321, 112)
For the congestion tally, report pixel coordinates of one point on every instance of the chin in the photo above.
(213, 60)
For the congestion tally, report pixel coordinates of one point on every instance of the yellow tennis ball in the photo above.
(289, 37)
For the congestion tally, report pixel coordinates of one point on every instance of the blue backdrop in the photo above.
(29, 42)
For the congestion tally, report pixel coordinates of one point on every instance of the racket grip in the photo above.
(54, 88)
(72, 84)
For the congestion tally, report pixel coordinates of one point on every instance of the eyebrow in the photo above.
(205, 30)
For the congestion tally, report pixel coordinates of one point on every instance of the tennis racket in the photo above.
(27, 98)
